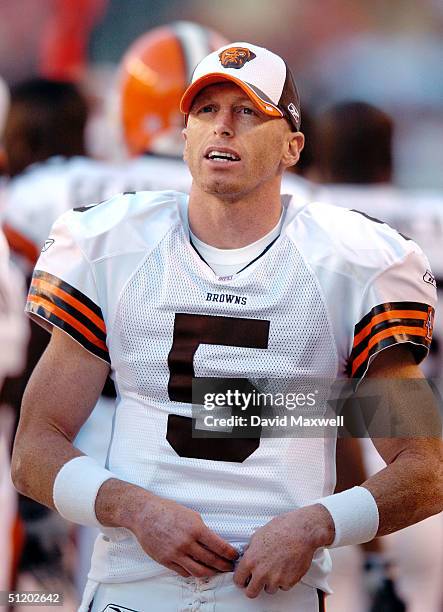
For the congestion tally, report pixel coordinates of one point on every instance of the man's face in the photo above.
(231, 147)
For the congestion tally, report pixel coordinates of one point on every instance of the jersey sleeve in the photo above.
(397, 307)
(63, 292)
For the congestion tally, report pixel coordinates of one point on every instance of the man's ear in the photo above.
(295, 144)
(185, 138)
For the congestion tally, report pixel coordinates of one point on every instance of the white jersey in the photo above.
(123, 280)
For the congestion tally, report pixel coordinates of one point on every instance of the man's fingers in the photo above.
(271, 589)
(201, 553)
(178, 569)
(255, 585)
(215, 543)
(197, 569)
(242, 574)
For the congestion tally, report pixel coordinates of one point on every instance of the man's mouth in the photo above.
(222, 156)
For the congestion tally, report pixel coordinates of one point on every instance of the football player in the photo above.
(233, 282)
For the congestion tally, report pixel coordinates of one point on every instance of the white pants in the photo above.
(169, 592)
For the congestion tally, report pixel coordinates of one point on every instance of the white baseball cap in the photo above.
(263, 76)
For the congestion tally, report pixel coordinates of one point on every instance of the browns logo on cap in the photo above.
(236, 57)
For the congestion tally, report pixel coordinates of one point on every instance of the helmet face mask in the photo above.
(154, 73)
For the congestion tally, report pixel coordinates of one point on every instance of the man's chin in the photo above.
(223, 189)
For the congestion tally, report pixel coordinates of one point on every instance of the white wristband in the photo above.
(355, 516)
(76, 487)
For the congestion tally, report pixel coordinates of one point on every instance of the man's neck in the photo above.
(233, 224)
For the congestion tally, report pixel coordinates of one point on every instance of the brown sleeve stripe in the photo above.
(20, 244)
(69, 309)
(65, 316)
(388, 307)
(418, 345)
(389, 316)
(399, 332)
(48, 312)
(58, 282)
(387, 324)
(46, 289)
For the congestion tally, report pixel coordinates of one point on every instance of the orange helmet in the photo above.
(154, 74)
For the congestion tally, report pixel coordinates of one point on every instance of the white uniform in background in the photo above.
(33, 200)
(151, 173)
(417, 552)
(298, 186)
(13, 337)
(120, 274)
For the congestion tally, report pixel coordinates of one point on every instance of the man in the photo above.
(235, 282)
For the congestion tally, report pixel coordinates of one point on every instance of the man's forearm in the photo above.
(37, 461)
(409, 489)
(119, 503)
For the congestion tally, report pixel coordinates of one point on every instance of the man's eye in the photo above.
(245, 110)
(208, 108)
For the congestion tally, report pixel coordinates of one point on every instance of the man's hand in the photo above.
(280, 552)
(177, 538)
(171, 534)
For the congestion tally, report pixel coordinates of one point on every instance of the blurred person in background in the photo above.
(354, 167)
(301, 180)
(48, 173)
(13, 339)
(4, 103)
(152, 77)
(354, 161)
(46, 162)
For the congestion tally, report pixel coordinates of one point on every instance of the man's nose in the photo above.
(224, 125)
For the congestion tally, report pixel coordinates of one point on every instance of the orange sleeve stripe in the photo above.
(69, 299)
(67, 318)
(20, 244)
(385, 316)
(386, 333)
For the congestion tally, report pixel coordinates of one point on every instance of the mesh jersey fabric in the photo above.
(129, 263)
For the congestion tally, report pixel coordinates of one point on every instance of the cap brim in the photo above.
(217, 77)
